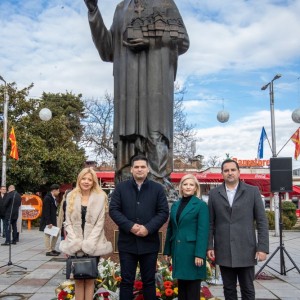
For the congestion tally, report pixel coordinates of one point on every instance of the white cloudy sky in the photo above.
(235, 48)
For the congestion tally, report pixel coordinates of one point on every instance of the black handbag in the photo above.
(85, 267)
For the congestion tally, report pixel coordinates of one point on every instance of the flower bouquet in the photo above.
(66, 290)
(166, 286)
(107, 285)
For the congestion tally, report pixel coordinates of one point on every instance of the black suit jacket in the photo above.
(49, 212)
(12, 202)
(147, 206)
(2, 207)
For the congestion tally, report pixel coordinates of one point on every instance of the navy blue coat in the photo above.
(147, 206)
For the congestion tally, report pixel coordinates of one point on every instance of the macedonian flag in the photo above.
(14, 148)
(296, 140)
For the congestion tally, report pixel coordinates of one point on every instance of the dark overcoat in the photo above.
(147, 206)
(12, 202)
(2, 208)
(188, 239)
(49, 212)
(232, 231)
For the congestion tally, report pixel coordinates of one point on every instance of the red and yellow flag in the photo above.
(296, 140)
(14, 148)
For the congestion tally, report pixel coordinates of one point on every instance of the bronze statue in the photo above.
(143, 43)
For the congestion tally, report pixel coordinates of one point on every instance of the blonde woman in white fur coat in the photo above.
(84, 225)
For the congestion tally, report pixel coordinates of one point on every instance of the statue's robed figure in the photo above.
(143, 43)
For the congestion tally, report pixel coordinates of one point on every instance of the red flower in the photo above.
(158, 294)
(168, 284)
(168, 292)
(170, 267)
(62, 295)
(206, 292)
(139, 297)
(138, 285)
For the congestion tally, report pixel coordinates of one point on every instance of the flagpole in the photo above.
(4, 149)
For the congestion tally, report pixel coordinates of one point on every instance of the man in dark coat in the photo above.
(143, 43)
(11, 204)
(2, 210)
(49, 219)
(139, 207)
(236, 208)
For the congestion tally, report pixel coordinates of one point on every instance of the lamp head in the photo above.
(277, 76)
(1, 78)
(265, 87)
(45, 114)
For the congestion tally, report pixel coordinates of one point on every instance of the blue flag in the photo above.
(260, 149)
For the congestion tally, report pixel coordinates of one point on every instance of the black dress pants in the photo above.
(189, 289)
(128, 264)
(11, 225)
(245, 277)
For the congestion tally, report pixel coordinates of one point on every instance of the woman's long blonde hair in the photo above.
(77, 190)
(190, 176)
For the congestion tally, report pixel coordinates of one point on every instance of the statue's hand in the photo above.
(137, 44)
(91, 4)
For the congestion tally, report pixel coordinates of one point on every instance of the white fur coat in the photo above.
(92, 240)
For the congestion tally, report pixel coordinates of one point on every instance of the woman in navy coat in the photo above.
(187, 238)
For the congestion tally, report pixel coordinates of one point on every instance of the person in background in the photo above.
(19, 222)
(139, 207)
(236, 210)
(84, 225)
(2, 211)
(49, 219)
(187, 239)
(12, 204)
(62, 214)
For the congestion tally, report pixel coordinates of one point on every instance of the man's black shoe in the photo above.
(51, 253)
(57, 252)
(5, 244)
(14, 243)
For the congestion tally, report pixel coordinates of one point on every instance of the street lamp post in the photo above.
(274, 152)
(4, 149)
(278, 216)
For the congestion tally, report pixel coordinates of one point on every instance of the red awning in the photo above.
(106, 176)
(262, 181)
(296, 189)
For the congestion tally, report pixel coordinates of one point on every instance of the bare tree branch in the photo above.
(99, 128)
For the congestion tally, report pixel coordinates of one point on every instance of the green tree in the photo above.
(49, 151)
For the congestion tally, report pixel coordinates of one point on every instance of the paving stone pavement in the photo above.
(44, 273)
